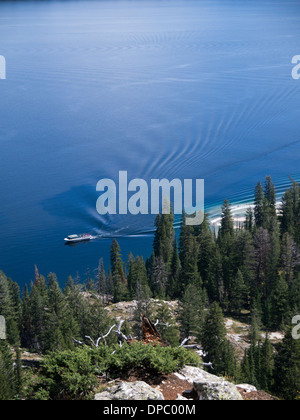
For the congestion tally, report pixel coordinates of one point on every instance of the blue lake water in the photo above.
(161, 89)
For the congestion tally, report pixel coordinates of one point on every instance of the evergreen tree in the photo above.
(262, 257)
(97, 322)
(167, 327)
(18, 373)
(7, 375)
(259, 208)
(189, 263)
(120, 290)
(137, 272)
(38, 303)
(101, 279)
(287, 368)
(279, 302)
(227, 224)
(116, 261)
(255, 328)
(70, 284)
(244, 256)
(174, 277)
(26, 323)
(215, 344)
(249, 222)
(287, 213)
(164, 238)
(159, 277)
(216, 287)
(185, 233)
(206, 253)
(238, 295)
(143, 306)
(267, 365)
(6, 302)
(269, 201)
(290, 257)
(274, 255)
(191, 311)
(226, 246)
(245, 368)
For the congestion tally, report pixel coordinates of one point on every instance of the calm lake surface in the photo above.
(161, 89)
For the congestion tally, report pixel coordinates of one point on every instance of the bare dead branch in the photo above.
(192, 346)
(185, 341)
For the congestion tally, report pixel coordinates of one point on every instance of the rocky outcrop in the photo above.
(126, 310)
(203, 386)
(220, 390)
(247, 388)
(207, 386)
(192, 374)
(138, 390)
(181, 398)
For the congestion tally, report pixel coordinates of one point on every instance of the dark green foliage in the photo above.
(207, 249)
(137, 273)
(227, 226)
(287, 368)
(259, 205)
(257, 367)
(148, 359)
(72, 375)
(143, 307)
(290, 212)
(238, 293)
(116, 263)
(218, 349)
(101, 279)
(167, 327)
(164, 238)
(191, 311)
(159, 277)
(7, 373)
(67, 375)
(119, 282)
(10, 308)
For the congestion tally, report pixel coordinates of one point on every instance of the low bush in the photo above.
(152, 360)
(73, 375)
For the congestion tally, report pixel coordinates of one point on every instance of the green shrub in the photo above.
(146, 358)
(72, 375)
(66, 375)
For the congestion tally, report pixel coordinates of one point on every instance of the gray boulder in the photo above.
(211, 391)
(181, 397)
(247, 388)
(192, 374)
(207, 386)
(138, 390)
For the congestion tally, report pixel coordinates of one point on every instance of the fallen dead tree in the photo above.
(150, 336)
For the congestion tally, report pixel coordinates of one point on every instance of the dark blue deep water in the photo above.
(173, 89)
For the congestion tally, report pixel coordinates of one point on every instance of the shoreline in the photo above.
(238, 212)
